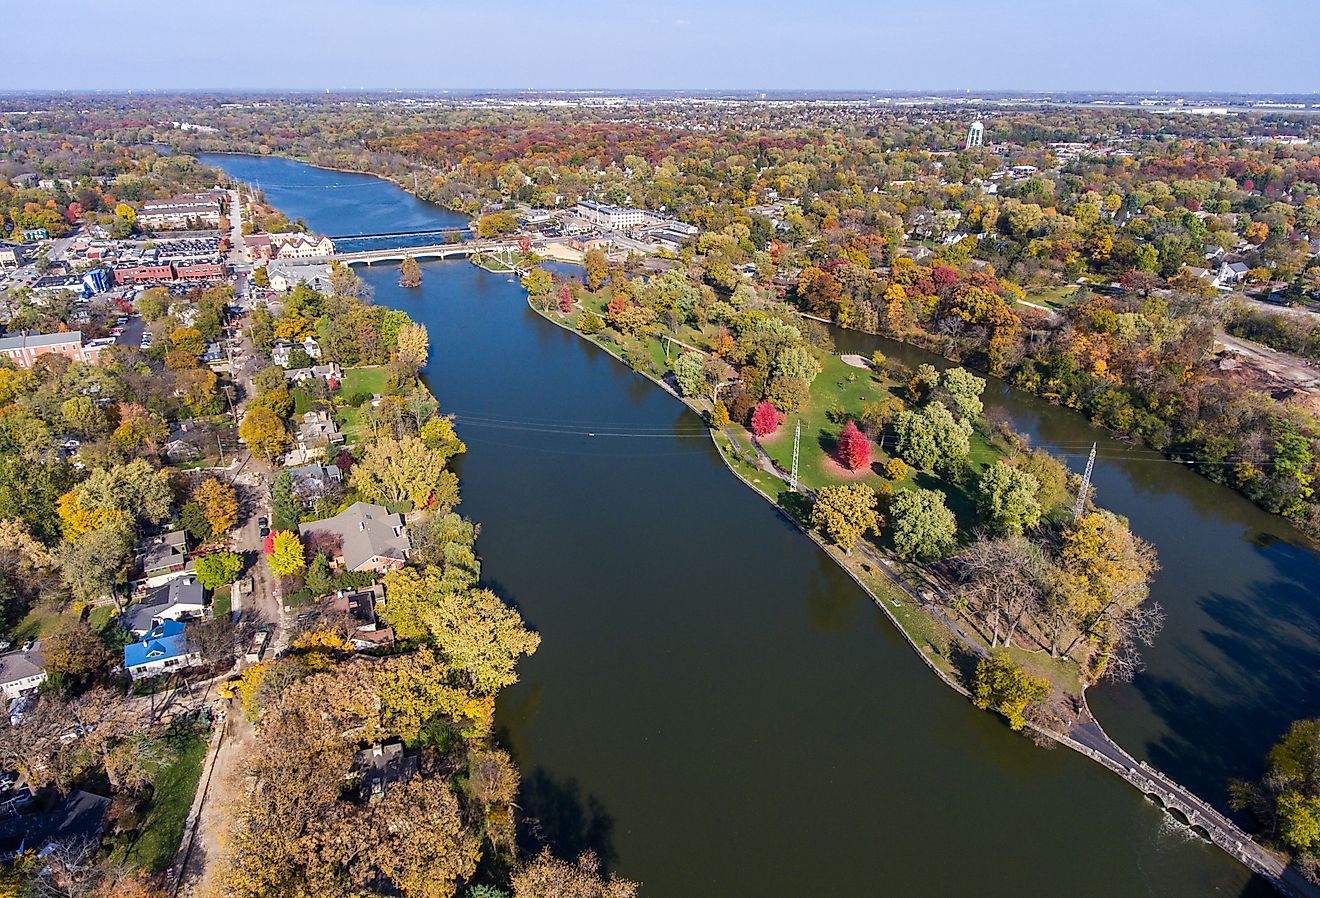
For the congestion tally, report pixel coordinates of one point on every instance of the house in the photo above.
(164, 648)
(312, 482)
(78, 817)
(380, 766)
(311, 347)
(370, 538)
(285, 275)
(163, 558)
(326, 373)
(178, 600)
(359, 607)
(1231, 273)
(317, 430)
(21, 672)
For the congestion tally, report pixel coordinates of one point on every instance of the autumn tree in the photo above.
(482, 636)
(410, 273)
(549, 877)
(1006, 498)
(719, 415)
(286, 553)
(1002, 685)
(844, 513)
(394, 470)
(854, 447)
(596, 268)
(765, 419)
(264, 434)
(77, 655)
(219, 504)
(414, 343)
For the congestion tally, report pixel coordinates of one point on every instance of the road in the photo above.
(1281, 364)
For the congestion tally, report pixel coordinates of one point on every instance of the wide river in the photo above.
(718, 711)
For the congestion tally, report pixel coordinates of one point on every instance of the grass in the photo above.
(357, 382)
(1054, 297)
(222, 602)
(43, 620)
(302, 402)
(173, 789)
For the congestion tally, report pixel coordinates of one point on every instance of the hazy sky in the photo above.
(1140, 45)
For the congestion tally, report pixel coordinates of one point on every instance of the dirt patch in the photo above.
(1249, 372)
(837, 469)
(855, 361)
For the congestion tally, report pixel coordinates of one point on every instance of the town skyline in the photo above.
(837, 45)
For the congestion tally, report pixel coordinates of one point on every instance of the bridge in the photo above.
(420, 253)
(460, 232)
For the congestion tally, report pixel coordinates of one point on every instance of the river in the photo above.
(715, 708)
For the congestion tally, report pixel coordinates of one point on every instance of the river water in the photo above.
(718, 711)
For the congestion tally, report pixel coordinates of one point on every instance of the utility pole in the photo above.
(1086, 485)
(797, 438)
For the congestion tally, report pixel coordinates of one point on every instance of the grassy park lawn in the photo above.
(44, 619)
(172, 794)
(1054, 297)
(370, 381)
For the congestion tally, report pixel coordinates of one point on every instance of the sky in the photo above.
(1260, 46)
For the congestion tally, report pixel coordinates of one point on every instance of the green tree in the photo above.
(962, 390)
(136, 489)
(931, 437)
(845, 512)
(999, 683)
(93, 564)
(923, 527)
(284, 509)
(1007, 498)
(261, 278)
(218, 569)
(690, 372)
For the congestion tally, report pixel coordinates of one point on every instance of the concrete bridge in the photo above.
(420, 253)
(442, 232)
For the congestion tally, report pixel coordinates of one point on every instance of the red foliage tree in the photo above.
(269, 546)
(565, 299)
(765, 420)
(525, 245)
(854, 447)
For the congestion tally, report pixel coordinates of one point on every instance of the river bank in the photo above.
(949, 652)
(754, 727)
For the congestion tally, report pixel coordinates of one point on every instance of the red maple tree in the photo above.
(565, 299)
(765, 420)
(854, 447)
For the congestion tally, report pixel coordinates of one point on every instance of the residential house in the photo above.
(76, 818)
(311, 347)
(370, 538)
(178, 600)
(1231, 273)
(312, 482)
(317, 430)
(285, 275)
(359, 607)
(163, 649)
(329, 372)
(22, 671)
(381, 766)
(279, 353)
(162, 558)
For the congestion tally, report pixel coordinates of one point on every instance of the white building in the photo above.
(616, 218)
(22, 672)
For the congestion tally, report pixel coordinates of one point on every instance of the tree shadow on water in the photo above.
(558, 816)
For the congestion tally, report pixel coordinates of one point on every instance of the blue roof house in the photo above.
(164, 648)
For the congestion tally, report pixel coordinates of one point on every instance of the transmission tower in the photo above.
(797, 438)
(1086, 485)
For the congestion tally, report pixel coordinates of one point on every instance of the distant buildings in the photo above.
(616, 218)
(187, 210)
(24, 349)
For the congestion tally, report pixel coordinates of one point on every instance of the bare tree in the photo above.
(1002, 581)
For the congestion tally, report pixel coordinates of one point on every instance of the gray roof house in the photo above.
(371, 539)
(21, 672)
(177, 600)
(311, 482)
(162, 558)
